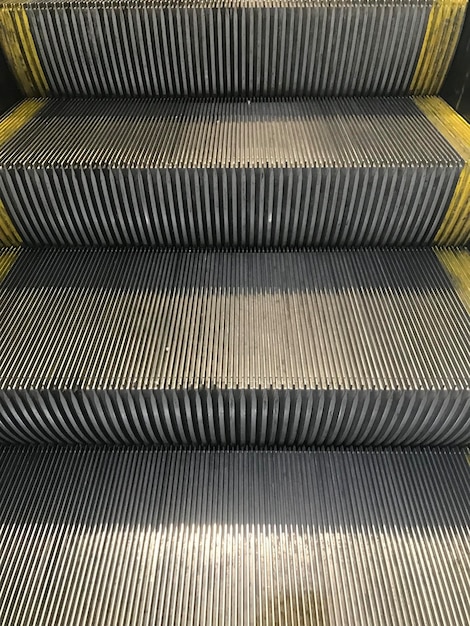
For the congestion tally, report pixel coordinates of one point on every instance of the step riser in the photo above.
(232, 52)
(213, 49)
(229, 208)
(236, 417)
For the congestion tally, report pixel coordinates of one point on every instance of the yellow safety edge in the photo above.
(20, 50)
(9, 125)
(440, 40)
(9, 236)
(7, 260)
(455, 228)
(457, 264)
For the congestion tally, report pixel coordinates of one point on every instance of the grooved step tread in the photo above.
(252, 173)
(324, 538)
(235, 347)
(227, 133)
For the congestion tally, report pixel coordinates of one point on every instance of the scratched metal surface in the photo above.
(141, 537)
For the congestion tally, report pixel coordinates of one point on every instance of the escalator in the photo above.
(234, 313)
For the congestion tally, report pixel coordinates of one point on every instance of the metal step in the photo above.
(362, 347)
(297, 172)
(324, 538)
(235, 47)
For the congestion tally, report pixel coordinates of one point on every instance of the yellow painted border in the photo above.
(457, 264)
(7, 260)
(9, 236)
(18, 117)
(9, 125)
(20, 50)
(440, 40)
(455, 228)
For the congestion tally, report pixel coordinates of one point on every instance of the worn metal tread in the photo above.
(272, 348)
(325, 538)
(265, 173)
(239, 47)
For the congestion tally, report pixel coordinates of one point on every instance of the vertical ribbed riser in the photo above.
(237, 417)
(323, 50)
(229, 207)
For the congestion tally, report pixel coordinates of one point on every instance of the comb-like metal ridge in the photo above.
(229, 48)
(269, 348)
(297, 172)
(143, 537)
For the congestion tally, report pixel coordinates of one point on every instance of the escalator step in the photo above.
(366, 347)
(236, 173)
(142, 537)
(235, 47)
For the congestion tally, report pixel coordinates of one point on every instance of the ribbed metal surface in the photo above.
(270, 348)
(229, 48)
(134, 538)
(233, 417)
(228, 173)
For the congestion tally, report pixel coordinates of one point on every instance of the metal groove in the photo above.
(298, 172)
(142, 346)
(141, 537)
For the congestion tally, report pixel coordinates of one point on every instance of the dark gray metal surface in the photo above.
(456, 87)
(341, 347)
(229, 48)
(298, 172)
(9, 90)
(138, 538)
